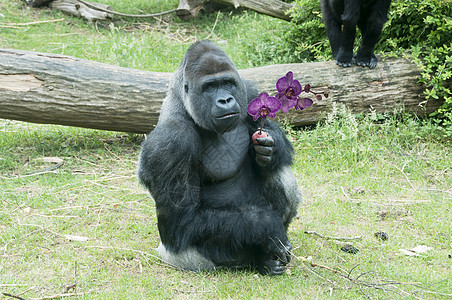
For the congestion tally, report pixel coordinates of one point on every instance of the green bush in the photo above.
(306, 37)
(421, 29)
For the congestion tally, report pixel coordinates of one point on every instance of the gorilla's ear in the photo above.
(251, 88)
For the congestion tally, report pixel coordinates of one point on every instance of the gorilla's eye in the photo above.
(229, 84)
(209, 87)
(186, 88)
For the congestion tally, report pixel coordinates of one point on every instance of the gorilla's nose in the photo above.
(226, 103)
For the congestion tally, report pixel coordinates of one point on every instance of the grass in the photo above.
(359, 175)
(154, 45)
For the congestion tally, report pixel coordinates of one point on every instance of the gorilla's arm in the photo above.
(280, 184)
(166, 169)
(170, 169)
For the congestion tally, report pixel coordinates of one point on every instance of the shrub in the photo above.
(420, 29)
(306, 37)
(423, 28)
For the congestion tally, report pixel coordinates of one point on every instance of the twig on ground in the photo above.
(339, 273)
(114, 154)
(345, 194)
(323, 147)
(13, 296)
(11, 284)
(404, 174)
(334, 237)
(381, 284)
(12, 204)
(12, 27)
(62, 295)
(40, 227)
(214, 25)
(140, 265)
(44, 171)
(439, 191)
(72, 286)
(27, 290)
(32, 23)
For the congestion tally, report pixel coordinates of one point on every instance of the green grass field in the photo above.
(75, 223)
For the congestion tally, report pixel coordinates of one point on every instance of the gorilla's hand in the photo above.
(281, 251)
(277, 258)
(264, 150)
(271, 267)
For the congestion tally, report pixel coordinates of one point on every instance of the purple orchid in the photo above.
(263, 106)
(302, 103)
(288, 91)
(287, 97)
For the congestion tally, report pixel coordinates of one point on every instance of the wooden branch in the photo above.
(189, 9)
(58, 89)
(79, 9)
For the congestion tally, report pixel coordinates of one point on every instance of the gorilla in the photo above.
(221, 200)
(341, 18)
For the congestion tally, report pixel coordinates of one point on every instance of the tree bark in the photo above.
(188, 9)
(57, 89)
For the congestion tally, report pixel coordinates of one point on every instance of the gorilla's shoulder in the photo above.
(175, 137)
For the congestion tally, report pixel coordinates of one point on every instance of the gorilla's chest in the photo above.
(223, 155)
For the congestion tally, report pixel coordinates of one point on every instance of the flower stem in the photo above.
(262, 125)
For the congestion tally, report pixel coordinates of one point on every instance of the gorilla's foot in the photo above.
(366, 60)
(344, 58)
(344, 64)
(344, 61)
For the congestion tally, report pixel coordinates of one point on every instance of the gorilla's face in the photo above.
(214, 94)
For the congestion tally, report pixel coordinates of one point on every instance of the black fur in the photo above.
(341, 18)
(221, 201)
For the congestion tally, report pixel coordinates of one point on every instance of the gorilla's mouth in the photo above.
(227, 116)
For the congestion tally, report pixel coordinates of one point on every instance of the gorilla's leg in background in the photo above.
(333, 28)
(341, 18)
(349, 21)
(371, 31)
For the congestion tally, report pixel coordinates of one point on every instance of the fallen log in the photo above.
(189, 9)
(57, 89)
